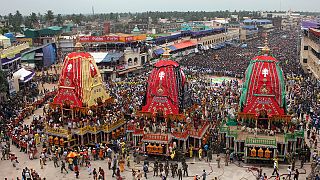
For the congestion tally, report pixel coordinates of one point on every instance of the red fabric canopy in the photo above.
(162, 63)
(164, 88)
(265, 58)
(184, 44)
(264, 88)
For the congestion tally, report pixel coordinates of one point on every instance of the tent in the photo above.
(4, 42)
(24, 75)
(98, 56)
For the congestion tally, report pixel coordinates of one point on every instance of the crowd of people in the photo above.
(216, 103)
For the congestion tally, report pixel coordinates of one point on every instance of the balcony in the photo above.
(313, 44)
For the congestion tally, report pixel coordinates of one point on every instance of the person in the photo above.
(63, 166)
(200, 154)
(41, 162)
(95, 174)
(296, 175)
(76, 170)
(89, 168)
(139, 175)
(196, 177)
(289, 172)
(218, 160)
(155, 168)
(185, 169)
(118, 174)
(145, 170)
(121, 164)
(114, 168)
(275, 168)
(179, 174)
(101, 172)
(55, 161)
(317, 177)
(204, 175)
(109, 163)
(302, 161)
(70, 160)
(128, 160)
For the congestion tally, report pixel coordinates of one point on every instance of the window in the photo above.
(305, 60)
(129, 62)
(135, 61)
(305, 47)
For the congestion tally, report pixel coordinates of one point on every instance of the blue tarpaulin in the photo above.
(158, 51)
(49, 55)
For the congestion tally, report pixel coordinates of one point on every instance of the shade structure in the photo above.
(24, 75)
(165, 89)
(264, 88)
(80, 83)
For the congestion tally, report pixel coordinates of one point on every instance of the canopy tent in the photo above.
(4, 42)
(113, 57)
(158, 51)
(174, 47)
(98, 56)
(184, 44)
(24, 75)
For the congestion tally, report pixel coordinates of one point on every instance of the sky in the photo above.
(106, 6)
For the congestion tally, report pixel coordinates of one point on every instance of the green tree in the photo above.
(49, 17)
(34, 19)
(15, 21)
(59, 20)
(3, 82)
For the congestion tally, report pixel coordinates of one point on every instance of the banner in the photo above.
(13, 85)
(26, 40)
(89, 39)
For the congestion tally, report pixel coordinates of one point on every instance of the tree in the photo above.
(15, 21)
(59, 20)
(49, 17)
(3, 30)
(34, 19)
(3, 82)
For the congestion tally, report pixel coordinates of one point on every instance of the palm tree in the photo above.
(59, 20)
(34, 19)
(49, 17)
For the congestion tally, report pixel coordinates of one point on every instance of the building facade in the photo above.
(310, 52)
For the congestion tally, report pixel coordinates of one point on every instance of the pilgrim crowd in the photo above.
(215, 103)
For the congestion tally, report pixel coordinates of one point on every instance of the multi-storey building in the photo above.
(310, 51)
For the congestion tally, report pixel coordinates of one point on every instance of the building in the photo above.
(310, 51)
(10, 57)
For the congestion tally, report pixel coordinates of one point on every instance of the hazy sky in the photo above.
(106, 6)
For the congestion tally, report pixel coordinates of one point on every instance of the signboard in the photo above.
(89, 39)
(13, 85)
(26, 40)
